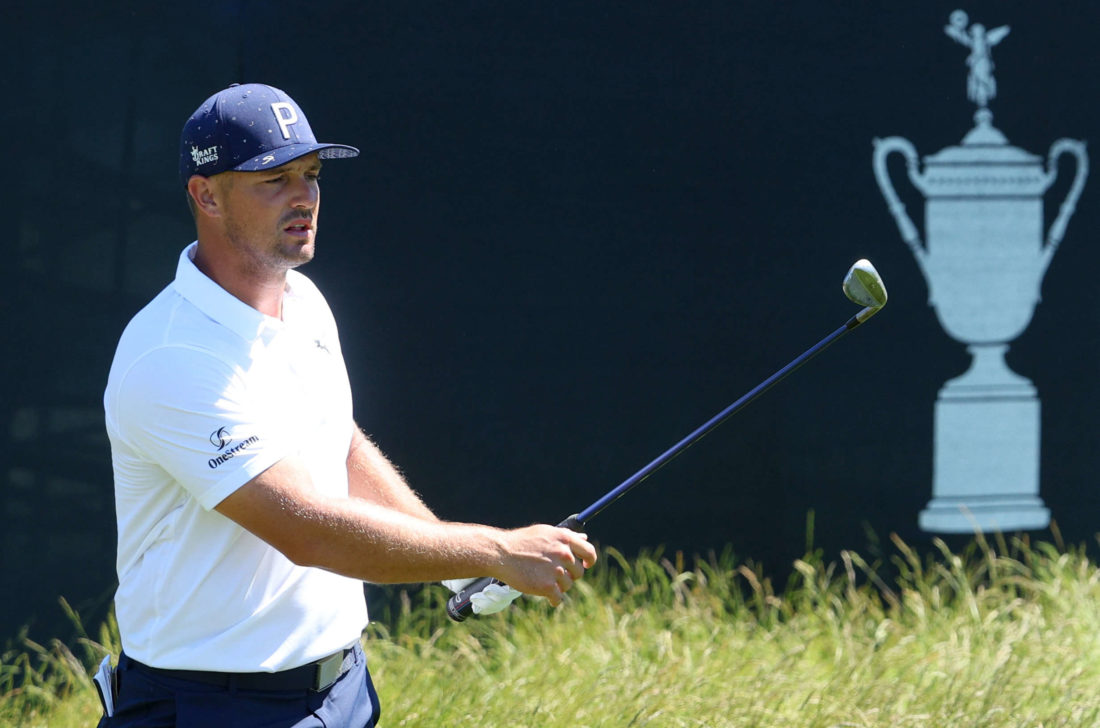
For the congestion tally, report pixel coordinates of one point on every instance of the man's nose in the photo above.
(305, 192)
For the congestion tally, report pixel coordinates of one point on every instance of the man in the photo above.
(250, 506)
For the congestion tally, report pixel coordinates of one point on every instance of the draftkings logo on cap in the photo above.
(204, 156)
(249, 128)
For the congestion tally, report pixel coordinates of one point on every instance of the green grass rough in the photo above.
(995, 636)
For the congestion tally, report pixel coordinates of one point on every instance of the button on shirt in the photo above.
(205, 393)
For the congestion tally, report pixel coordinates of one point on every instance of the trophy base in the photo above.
(986, 463)
(999, 515)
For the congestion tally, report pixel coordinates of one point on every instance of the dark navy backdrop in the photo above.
(577, 230)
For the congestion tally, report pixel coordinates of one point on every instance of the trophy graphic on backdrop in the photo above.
(983, 259)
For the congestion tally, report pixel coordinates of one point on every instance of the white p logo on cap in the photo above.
(284, 119)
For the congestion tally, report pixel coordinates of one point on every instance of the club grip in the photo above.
(572, 523)
(460, 606)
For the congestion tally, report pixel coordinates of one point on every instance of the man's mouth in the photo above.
(299, 227)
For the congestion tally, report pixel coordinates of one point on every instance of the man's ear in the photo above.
(204, 196)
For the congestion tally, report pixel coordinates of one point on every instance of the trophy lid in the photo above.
(984, 144)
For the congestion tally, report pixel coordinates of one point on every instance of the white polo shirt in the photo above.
(205, 393)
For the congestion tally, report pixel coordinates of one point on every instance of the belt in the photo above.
(316, 676)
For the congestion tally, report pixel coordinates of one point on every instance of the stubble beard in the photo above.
(264, 255)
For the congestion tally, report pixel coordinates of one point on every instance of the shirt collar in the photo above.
(216, 302)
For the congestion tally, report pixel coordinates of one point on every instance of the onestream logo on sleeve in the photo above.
(221, 439)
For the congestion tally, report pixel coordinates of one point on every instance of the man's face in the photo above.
(270, 217)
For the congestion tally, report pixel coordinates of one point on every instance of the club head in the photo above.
(864, 286)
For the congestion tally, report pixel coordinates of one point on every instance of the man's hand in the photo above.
(545, 560)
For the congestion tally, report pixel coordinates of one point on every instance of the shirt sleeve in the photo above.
(194, 415)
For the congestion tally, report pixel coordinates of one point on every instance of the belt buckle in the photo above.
(328, 671)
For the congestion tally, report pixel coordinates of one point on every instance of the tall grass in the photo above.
(50, 685)
(1003, 634)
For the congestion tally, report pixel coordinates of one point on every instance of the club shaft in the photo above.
(460, 605)
(668, 455)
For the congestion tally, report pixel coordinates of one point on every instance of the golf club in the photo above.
(862, 285)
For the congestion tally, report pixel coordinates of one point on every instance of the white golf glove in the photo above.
(457, 585)
(490, 600)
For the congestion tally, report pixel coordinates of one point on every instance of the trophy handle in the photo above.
(883, 149)
(1069, 205)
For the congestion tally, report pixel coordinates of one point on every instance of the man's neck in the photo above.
(263, 290)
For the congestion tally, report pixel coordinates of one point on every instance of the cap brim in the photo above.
(290, 152)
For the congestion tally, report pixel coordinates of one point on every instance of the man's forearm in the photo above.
(372, 541)
(402, 548)
(382, 545)
(372, 477)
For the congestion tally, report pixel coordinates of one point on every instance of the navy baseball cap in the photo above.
(248, 128)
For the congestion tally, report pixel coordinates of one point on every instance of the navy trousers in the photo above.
(149, 700)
